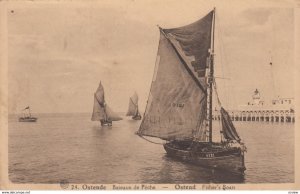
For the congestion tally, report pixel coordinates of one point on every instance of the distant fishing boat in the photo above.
(101, 111)
(133, 107)
(179, 107)
(27, 116)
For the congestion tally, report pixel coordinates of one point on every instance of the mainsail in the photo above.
(99, 102)
(176, 108)
(133, 105)
(101, 111)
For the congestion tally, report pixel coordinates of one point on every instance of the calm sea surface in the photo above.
(71, 147)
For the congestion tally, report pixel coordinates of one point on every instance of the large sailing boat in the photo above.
(101, 111)
(179, 107)
(27, 116)
(133, 108)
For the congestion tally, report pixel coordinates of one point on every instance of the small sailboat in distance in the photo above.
(101, 111)
(27, 116)
(133, 107)
(179, 106)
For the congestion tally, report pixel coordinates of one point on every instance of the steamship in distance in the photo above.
(278, 110)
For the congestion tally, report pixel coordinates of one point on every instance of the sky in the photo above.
(58, 51)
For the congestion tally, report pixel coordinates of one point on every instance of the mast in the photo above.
(211, 77)
(29, 112)
(104, 105)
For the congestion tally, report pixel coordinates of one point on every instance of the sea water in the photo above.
(72, 147)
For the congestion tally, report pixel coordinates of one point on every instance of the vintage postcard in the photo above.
(149, 95)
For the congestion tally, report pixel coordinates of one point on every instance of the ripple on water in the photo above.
(73, 148)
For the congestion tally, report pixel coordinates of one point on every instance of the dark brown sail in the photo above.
(193, 41)
(228, 128)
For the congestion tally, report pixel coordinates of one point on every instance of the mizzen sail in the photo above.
(229, 131)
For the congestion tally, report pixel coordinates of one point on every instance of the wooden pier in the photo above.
(259, 115)
(278, 110)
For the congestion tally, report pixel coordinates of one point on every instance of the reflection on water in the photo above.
(71, 147)
(190, 173)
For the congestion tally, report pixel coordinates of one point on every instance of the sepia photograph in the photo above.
(149, 95)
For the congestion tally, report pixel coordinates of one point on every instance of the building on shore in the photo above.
(278, 110)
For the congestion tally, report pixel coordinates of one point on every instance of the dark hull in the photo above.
(106, 123)
(27, 119)
(231, 160)
(139, 117)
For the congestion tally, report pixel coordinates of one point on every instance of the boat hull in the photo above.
(232, 161)
(138, 117)
(106, 123)
(29, 119)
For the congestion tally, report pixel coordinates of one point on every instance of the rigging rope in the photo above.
(149, 140)
(215, 89)
(223, 59)
(219, 103)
